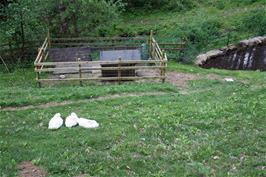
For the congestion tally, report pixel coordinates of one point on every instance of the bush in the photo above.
(255, 21)
(161, 4)
(28, 20)
(203, 32)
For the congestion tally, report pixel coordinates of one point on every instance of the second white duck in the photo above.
(71, 120)
(56, 122)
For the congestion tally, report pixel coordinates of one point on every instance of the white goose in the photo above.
(86, 123)
(71, 120)
(56, 122)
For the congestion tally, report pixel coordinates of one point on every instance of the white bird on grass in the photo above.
(229, 79)
(86, 123)
(71, 120)
(56, 122)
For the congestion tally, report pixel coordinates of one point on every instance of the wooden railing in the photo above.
(125, 70)
(42, 56)
(158, 55)
(118, 66)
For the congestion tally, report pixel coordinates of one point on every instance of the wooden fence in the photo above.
(157, 60)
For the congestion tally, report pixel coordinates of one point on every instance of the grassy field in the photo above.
(215, 128)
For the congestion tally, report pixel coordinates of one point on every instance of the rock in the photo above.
(201, 59)
(214, 53)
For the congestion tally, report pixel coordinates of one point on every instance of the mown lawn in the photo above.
(217, 129)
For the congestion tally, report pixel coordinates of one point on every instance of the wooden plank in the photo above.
(40, 50)
(98, 38)
(175, 44)
(80, 75)
(46, 56)
(97, 44)
(173, 49)
(104, 78)
(98, 68)
(100, 62)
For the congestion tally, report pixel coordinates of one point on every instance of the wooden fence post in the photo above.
(38, 67)
(119, 71)
(163, 66)
(38, 77)
(49, 39)
(150, 43)
(80, 73)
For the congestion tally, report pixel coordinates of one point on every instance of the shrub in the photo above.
(160, 4)
(255, 21)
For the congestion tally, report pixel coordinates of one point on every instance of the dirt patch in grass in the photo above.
(180, 79)
(27, 169)
(68, 102)
(176, 78)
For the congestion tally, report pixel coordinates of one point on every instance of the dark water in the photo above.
(247, 58)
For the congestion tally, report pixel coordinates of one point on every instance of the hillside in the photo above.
(207, 26)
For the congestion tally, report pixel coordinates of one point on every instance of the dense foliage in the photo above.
(162, 4)
(29, 19)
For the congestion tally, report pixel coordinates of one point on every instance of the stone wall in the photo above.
(246, 55)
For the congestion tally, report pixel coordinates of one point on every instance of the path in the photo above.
(68, 102)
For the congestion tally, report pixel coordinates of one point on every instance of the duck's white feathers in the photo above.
(71, 120)
(56, 122)
(86, 123)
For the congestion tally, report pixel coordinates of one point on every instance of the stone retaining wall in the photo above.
(246, 55)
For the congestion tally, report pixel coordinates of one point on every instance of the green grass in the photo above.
(216, 132)
(20, 89)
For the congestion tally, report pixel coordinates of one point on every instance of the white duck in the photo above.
(71, 120)
(56, 122)
(86, 123)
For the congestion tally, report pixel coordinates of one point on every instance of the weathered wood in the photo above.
(101, 62)
(163, 69)
(104, 78)
(80, 75)
(95, 46)
(98, 68)
(49, 39)
(38, 79)
(158, 59)
(119, 71)
(98, 38)
(174, 44)
(173, 49)
(40, 51)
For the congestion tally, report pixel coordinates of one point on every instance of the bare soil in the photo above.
(180, 79)
(27, 169)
